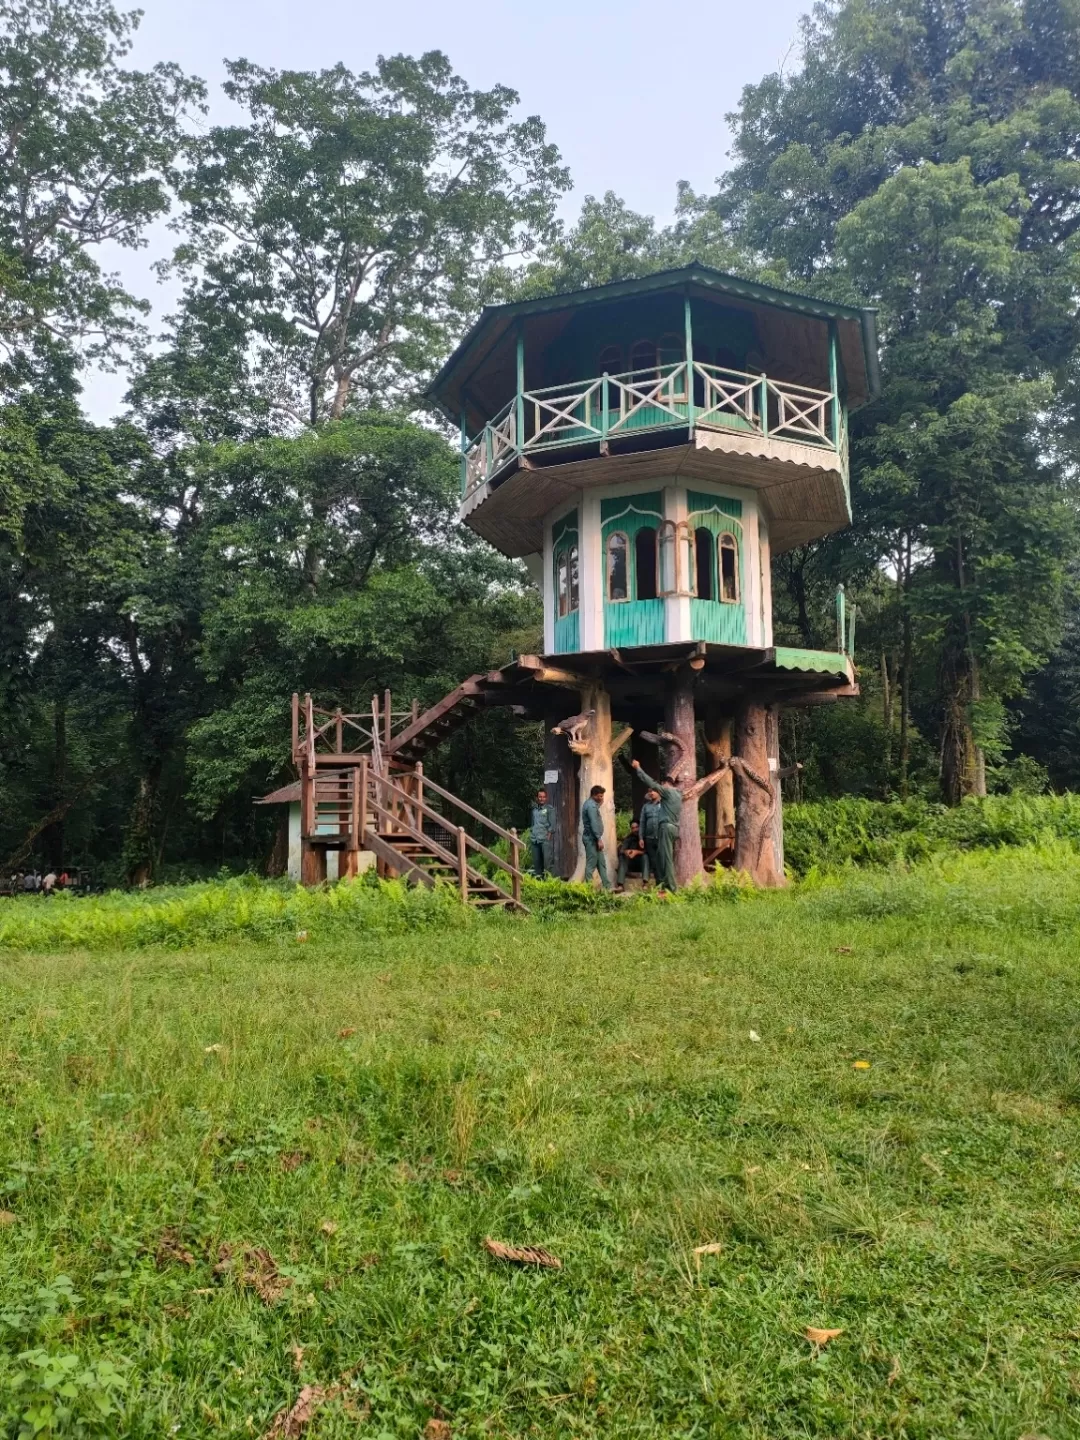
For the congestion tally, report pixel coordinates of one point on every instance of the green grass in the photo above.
(367, 1106)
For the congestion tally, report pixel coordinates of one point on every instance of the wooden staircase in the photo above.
(432, 727)
(356, 800)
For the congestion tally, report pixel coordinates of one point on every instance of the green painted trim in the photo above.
(650, 504)
(834, 385)
(564, 526)
(699, 503)
(819, 662)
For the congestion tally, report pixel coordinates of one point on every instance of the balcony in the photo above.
(627, 407)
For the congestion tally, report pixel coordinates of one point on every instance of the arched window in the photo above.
(643, 357)
(703, 543)
(566, 578)
(645, 563)
(611, 360)
(562, 583)
(618, 576)
(729, 568)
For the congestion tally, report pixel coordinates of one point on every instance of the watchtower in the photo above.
(646, 448)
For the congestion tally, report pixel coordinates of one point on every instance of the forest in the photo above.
(275, 508)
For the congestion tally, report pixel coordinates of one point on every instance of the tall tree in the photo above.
(925, 156)
(350, 223)
(89, 153)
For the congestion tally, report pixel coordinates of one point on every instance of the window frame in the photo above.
(675, 533)
(733, 547)
(625, 538)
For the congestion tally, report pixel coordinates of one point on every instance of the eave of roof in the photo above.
(693, 274)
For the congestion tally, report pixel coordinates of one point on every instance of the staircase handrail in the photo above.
(452, 860)
(416, 804)
(430, 784)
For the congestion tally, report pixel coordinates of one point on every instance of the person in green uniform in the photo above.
(592, 836)
(649, 830)
(632, 856)
(670, 817)
(542, 835)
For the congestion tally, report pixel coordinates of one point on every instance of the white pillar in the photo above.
(592, 578)
(676, 607)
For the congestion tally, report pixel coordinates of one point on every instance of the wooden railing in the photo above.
(665, 396)
(319, 734)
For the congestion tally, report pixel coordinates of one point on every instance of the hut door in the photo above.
(718, 609)
(633, 611)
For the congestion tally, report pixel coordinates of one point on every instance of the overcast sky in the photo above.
(633, 94)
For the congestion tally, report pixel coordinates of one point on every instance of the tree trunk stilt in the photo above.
(755, 797)
(563, 795)
(720, 800)
(679, 720)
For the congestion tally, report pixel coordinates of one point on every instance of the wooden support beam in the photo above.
(563, 795)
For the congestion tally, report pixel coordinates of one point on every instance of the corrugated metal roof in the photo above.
(287, 795)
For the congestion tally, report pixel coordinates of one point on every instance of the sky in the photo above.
(633, 94)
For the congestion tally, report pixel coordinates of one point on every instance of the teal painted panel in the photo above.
(634, 622)
(631, 622)
(716, 621)
(697, 502)
(568, 633)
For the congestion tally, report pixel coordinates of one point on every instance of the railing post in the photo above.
(519, 398)
(339, 730)
(295, 728)
(487, 452)
(604, 403)
(834, 386)
(764, 405)
(354, 838)
(388, 718)
(463, 865)
(361, 813)
(851, 634)
(515, 856)
(309, 739)
(419, 773)
(841, 626)
(689, 364)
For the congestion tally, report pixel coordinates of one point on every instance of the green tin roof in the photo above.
(817, 662)
(495, 320)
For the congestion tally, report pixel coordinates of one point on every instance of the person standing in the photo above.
(649, 830)
(671, 803)
(592, 836)
(542, 834)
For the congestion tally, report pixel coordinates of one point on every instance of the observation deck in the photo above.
(688, 375)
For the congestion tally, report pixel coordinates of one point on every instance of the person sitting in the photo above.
(632, 856)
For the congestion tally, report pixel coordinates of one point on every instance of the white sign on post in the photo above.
(551, 777)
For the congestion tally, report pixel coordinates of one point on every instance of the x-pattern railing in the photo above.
(653, 399)
(728, 392)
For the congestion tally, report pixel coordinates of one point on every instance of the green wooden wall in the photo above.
(631, 622)
(719, 622)
(565, 533)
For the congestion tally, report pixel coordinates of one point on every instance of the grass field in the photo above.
(863, 1096)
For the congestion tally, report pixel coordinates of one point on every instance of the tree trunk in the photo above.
(963, 766)
(595, 748)
(139, 849)
(563, 795)
(755, 797)
(679, 720)
(720, 800)
(54, 835)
